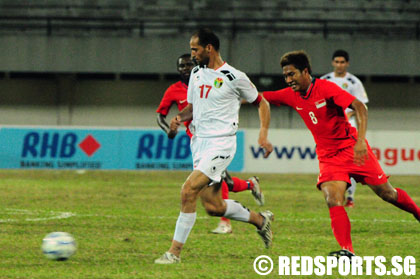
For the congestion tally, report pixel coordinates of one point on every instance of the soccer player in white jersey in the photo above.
(214, 95)
(350, 83)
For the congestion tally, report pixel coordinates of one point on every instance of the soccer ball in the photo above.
(58, 246)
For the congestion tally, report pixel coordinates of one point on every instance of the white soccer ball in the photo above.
(58, 246)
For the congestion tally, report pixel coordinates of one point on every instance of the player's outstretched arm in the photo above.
(264, 113)
(360, 148)
(161, 120)
(184, 115)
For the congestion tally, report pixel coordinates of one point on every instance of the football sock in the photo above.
(225, 196)
(406, 203)
(341, 227)
(236, 211)
(352, 189)
(240, 185)
(225, 190)
(184, 224)
(224, 219)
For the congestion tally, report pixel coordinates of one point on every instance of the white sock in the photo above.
(352, 189)
(184, 224)
(236, 211)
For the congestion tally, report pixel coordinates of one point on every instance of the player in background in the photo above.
(350, 83)
(177, 94)
(342, 150)
(214, 96)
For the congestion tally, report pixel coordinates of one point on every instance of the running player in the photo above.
(350, 83)
(342, 150)
(177, 93)
(214, 95)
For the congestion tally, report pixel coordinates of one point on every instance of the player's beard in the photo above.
(203, 62)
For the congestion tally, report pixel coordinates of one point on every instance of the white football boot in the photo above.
(223, 228)
(168, 258)
(256, 191)
(265, 232)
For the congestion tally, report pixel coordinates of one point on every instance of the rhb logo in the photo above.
(56, 145)
(152, 146)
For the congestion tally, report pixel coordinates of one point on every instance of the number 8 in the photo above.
(313, 118)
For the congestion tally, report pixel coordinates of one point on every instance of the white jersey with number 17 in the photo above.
(216, 98)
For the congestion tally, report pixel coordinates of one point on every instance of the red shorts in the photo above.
(341, 167)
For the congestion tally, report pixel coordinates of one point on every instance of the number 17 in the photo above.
(202, 90)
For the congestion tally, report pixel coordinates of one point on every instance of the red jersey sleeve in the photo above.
(341, 97)
(276, 98)
(166, 102)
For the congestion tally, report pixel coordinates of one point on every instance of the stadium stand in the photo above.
(370, 18)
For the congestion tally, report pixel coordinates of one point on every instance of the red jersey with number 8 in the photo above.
(322, 110)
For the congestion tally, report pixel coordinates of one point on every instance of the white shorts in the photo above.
(212, 156)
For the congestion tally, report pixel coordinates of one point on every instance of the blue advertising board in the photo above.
(112, 149)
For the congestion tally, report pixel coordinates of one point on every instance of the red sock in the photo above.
(225, 196)
(225, 190)
(341, 227)
(240, 185)
(406, 203)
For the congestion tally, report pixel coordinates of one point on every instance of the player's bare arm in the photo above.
(161, 120)
(351, 114)
(360, 148)
(184, 115)
(264, 113)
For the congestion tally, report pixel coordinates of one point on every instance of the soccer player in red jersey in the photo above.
(343, 151)
(177, 93)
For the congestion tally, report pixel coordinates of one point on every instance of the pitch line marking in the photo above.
(53, 215)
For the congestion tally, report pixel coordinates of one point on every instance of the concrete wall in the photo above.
(68, 101)
(252, 54)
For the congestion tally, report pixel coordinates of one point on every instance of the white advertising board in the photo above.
(398, 152)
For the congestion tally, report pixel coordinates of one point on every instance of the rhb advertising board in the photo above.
(87, 148)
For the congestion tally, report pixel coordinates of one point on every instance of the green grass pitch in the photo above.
(122, 221)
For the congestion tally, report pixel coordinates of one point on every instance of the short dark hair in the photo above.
(207, 37)
(297, 58)
(341, 53)
(186, 55)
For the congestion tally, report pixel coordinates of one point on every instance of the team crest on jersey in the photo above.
(218, 82)
(345, 85)
(321, 103)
